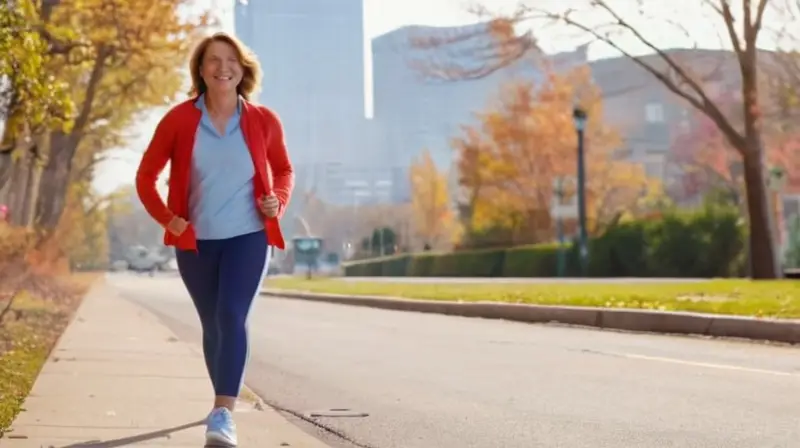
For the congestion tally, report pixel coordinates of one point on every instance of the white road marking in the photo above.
(710, 365)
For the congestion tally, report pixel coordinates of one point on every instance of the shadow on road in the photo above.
(134, 439)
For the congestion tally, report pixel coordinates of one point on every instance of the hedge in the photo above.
(702, 244)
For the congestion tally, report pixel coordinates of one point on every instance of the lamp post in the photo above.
(579, 116)
(558, 188)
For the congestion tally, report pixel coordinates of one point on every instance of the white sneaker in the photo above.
(221, 429)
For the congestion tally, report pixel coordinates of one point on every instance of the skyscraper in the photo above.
(312, 54)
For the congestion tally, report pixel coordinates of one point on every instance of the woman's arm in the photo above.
(155, 158)
(279, 163)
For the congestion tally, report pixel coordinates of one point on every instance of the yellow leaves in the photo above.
(139, 48)
(508, 164)
(83, 230)
(33, 98)
(430, 201)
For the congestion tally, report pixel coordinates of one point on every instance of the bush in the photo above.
(540, 260)
(793, 251)
(709, 243)
(15, 243)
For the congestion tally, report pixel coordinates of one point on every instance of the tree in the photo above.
(30, 97)
(709, 162)
(430, 202)
(612, 23)
(508, 166)
(84, 235)
(705, 158)
(124, 57)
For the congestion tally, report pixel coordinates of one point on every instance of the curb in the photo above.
(727, 326)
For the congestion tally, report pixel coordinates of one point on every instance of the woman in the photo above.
(230, 181)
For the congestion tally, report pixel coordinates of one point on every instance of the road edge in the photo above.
(651, 321)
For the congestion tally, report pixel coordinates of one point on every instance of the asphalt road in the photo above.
(430, 381)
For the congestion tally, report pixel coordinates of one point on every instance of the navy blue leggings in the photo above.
(223, 278)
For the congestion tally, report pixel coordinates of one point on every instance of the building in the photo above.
(651, 117)
(312, 55)
(416, 110)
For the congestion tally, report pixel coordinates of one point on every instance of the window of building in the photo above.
(654, 112)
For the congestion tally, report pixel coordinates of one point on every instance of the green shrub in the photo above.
(793, 251)
(708, 243)
(538, 260)
(477, 263)
(421, 265)
(620, 252)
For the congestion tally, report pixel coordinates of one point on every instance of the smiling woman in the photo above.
(230, 181)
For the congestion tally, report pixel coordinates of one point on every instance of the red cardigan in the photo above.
(173, 142)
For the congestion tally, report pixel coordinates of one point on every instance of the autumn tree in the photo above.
(708, 161)
(120, 58)
(508, 164)
(430, 202)
(31, 99)
(83, 236)
(621, 27)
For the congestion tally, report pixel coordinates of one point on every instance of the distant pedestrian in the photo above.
(230, 181)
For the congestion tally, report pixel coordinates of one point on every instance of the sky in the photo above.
(671, 25)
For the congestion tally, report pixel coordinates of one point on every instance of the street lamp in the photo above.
(579, 116)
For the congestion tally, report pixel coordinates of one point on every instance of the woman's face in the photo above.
(221, 69)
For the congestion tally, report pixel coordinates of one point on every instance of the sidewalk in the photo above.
(118, 377)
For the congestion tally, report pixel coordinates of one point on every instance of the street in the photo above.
(430, 381)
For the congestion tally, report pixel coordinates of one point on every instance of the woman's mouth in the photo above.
(223, 78)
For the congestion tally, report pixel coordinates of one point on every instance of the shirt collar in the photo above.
(201, 104)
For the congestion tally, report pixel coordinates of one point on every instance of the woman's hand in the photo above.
(269, 205)
(177, 226)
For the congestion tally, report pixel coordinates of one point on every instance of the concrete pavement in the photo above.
(417, 380)
(118, 377)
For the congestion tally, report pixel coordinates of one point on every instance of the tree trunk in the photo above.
(19, 183)
(6, 164)
(31, 192)
(6, 169)
(763, 260)
(55, 180)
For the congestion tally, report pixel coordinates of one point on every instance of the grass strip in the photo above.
(779, 299)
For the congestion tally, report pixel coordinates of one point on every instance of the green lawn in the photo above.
(739, 297)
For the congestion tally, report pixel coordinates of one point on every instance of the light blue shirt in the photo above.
(221, 199)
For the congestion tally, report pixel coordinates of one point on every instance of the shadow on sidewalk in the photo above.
(134, 439)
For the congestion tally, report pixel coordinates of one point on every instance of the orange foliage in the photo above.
(430, 202)
(508, 164)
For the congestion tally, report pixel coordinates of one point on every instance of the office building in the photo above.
(311, 52)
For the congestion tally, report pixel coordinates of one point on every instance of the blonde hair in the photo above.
(251, 69)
